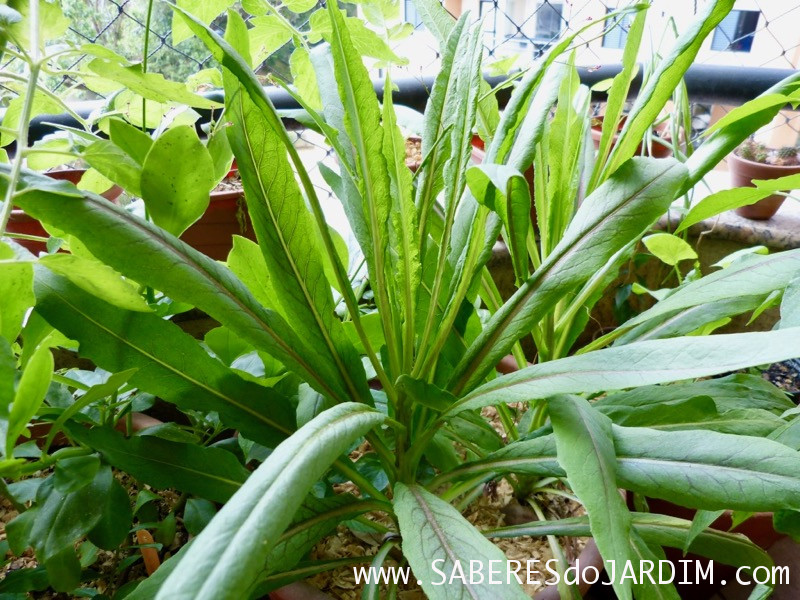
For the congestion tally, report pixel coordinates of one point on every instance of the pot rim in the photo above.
(746, 161)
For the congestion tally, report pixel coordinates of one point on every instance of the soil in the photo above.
(231, 183)
(413, 152)
(111, 575)
(785, 375)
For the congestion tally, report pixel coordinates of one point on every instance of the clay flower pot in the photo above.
(660, 149)
(225, 217)
(744, 171)
(19, 222)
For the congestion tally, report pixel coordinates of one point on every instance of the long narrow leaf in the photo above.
(617, 212)
(585, 447)
(233, 548)
(727, 548)
(437, 538)
(663, 81)
(723, 472)
(170, 363)
(285, 231)
(637, 364)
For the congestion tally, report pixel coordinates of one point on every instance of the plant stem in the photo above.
(558, 553)
(349, 471)
(24, 119)
(145, 53)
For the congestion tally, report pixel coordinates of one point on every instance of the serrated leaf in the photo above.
(204, 10)
(436, 19)
(365, 40)
(303, 77)
(267, 35)
(152, 86)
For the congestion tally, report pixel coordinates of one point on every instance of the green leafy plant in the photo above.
(297, 379)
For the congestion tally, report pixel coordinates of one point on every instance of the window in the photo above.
(487, 7)
(548, 21)
(735, 32)
(617, 34)
(411, 14)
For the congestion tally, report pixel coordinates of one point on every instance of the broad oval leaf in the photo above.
(668, 248)
(63, 518)
(177, 177)
(437, 539)
(233, 548)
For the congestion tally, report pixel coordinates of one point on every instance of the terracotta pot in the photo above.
(659, 148)
(744, 171)
(758, 529)
(478, 153)
(225, 217)
(19, 222)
